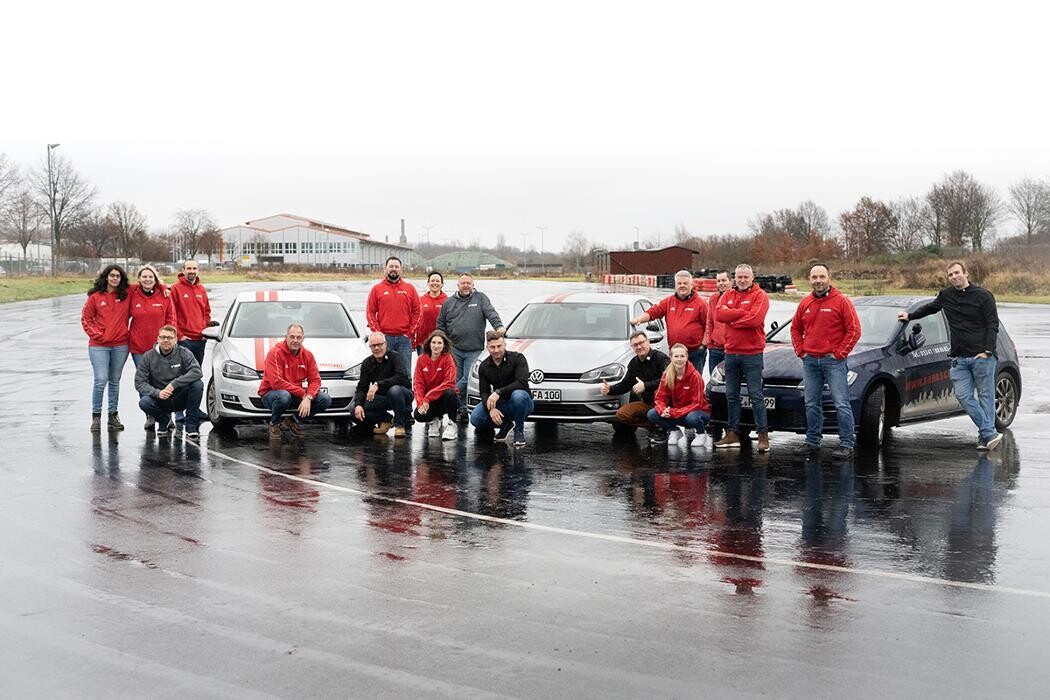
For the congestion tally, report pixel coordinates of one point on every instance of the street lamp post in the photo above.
(543, 267)
(51, 202)
(524, 255)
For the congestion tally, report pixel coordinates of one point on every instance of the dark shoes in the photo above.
(806, 449)
(114, 422)
(292, 426)
(842, 452)
(463, 415)
(96, 422)
(731, 439)
(763, 442)
(275, 431)
(657, 436)
(504, 430)
(991, 443)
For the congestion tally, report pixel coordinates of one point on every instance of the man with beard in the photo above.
(686, 316)
(291, 381)
(393, 310)
(192, 312)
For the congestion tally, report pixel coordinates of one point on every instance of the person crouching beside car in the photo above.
(680, 401)
(434, 385)
(644, 372)
(291, 382)
(383, 387)
(168, 379)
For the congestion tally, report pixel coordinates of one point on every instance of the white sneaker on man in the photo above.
(701, 439)
(683, 441)
(673, 436)
(434, 428)
(451, 432)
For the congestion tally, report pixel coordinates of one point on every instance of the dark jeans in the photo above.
(747, 368)
(445, 405)
(197, 348)
(517, 407)
(402, 345)
(697, 358)
(818, 371)
(186, 398)
(464, 360)
(697, 420)
(714, 358)
(397, 399)
(279, 401)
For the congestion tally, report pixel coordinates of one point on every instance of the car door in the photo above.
(927, 385)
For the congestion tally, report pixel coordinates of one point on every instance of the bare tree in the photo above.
(10, 182)
(576, 249)
(65, 193)
(1029, 203)
(94, 235)
(963, 210)
(912, 218)
(867, 228)
(22, 218)
(127, 222)
(814, 218)
(188, 229)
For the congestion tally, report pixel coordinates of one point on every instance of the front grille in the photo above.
(566, 409)
(331, 374)
(561, 376)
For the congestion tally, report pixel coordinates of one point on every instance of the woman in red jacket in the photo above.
(105, 320)
(680, 400)
(434, 385)
(151, 307)
(430, 303)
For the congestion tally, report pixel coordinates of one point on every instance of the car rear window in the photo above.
(270, 319)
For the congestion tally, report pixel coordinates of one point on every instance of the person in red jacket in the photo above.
(150, 308)
(715, 331)
(743, 311)
(393, 310)
(824, 330)
(680, 400)
(434, 386)
(291, 382)
(686, 314)
(105, 320)
(430, 303)
(192, 312)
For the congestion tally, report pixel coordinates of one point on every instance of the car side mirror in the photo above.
(654, 337)
(914, 341)
(210, 332)
(653, 327)
(773, 325)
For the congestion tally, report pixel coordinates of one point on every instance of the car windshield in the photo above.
(877, 325)
(571, 322)
(270, 319)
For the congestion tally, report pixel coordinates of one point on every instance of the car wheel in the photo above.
(217, 422)
(1006, 398)
(623, 428)
(871, 429)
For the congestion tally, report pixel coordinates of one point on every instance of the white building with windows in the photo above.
(287, 239)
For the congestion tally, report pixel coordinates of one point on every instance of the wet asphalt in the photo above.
(581, 565)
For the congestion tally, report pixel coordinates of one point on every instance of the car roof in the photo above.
(588, 298)
(287, 295)
(899, 302)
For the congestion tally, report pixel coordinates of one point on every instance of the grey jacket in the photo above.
(157, 370)
(463, 320)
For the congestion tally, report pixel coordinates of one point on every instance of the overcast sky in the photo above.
(484, 118)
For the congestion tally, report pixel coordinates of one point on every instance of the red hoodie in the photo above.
(686, 319)
(715, 332)
(393, 308)
(744, 314)
(433, 377)
(105, 319)
(283, 370)
(148, 314)
(429, 308)
(192, 309)
(688, 394)
(826, 325)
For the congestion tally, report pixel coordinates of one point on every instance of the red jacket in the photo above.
(286, 371)
(688, 394)
(744, 314)
(715, 332)
(393, 308)
(148, 314)
(686, 319)
(825, 325)
(429, 308)
(192, 309)
(432, 378)
(105, 319)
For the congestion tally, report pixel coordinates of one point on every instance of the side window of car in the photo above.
(640, 307)
(934, 328)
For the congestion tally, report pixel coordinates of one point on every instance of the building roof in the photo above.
(283, 221)
(655, 250)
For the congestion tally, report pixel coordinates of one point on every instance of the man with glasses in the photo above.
(383, 387)
(168, 379)
(642, 379)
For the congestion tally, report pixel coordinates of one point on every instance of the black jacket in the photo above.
(972, 319)
(649, 369)
(386, 374)
(511, 374)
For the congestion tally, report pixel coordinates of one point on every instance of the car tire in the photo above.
(217, 422)
(1007, 396)
(623, 428)
(871, 428)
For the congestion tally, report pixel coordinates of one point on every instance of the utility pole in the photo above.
(51, 194)
(543, 267)
(428, 233)
(524, 255)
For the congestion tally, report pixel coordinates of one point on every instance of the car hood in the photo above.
(781, 362)
(569, 356)
(332, 354)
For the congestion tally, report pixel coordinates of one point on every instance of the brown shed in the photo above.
(663, 261)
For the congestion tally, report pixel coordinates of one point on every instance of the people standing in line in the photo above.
(462, 319)
(168, 379)
(686, 314)
(192, 312)
(973, 324)
(644, 372)
(434, 385)
(824, 330)
(715, 331)
(150, 307)
(680, 401)
(743, 311)
(503, 381)
(430, 302)
(392, 309)
(105, 320)
(291, 381)
(383, 387)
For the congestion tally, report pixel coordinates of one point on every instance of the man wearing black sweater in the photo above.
(974, 325)
(383, 387)
(503, 380)
(644, 372)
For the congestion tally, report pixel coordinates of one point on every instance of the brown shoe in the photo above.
(383, 428)
(399, 431)
(729, 440)
(763, 442)
(292, 426)
(275, 431)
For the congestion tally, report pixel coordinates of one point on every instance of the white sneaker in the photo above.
(674, 436)
(701, 439)
(683, 441)
(451, 432)
(434, 428)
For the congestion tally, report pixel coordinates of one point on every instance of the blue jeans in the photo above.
(697, 420)
(745, 368)
(279, 401)
(197, 348)
(697, 358)
(464, 360)
(969, 374)
(517, 407)
(397, 399)
(817, 371)
(186, 398)
(402, 345)
(107, 364)
(714, 358)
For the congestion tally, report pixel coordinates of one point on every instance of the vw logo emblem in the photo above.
(536, 376)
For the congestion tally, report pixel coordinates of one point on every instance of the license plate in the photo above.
(770, 401)
(546, 394)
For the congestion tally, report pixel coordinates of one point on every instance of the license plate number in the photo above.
(770, 401)
(546, 394)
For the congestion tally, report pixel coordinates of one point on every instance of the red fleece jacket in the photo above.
(688, 394)
(393, 308)
(105, 319)
(686, 319)
(744, 314)
(715, 333)
(825, 325)
(429, 308)
(433, 377)
(192, 309)
(148, 314)
(286, 371)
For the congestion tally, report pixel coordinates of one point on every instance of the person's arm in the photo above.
(709, 325)
(661, 398)
(489, 312)
(925, 310)
(521, 378)
(398, 377)
(661, 361)
(169, 314)
(441, 322)
(796, 328)
(657, 310)
(88, 317)
(725, 313)
(625, 384)
(372, 311)
(193, 370)
(207, 308)
(851, 337)
(363, 383)
(415, 313)
(142, 383)
(418, 388)
(991, 323)
(484, 383)
(448, 373)
(755, 317)
(313, 376)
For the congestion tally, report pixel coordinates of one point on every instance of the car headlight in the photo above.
(235, 370)
(474, 369)
(353, 374)
(718, 376)
(609, 373)
(851, 377)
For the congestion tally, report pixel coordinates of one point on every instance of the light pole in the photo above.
(51, 202)
(428, 233)
(543, 269)
(524, 255)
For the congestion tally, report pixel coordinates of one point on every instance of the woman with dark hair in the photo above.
(680, 401)
(434, 385)
(150, 307)
(105, 320)
(430, 303)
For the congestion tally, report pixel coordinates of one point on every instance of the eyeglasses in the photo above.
(639, 343)
(376, 345)
(166, 337)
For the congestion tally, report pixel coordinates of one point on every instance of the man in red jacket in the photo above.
(824, 330)
(715, 333)
(743, 311)
(393, 310)
(192, 313)
(291, 381)
(686, 316)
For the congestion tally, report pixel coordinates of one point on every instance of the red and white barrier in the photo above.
(636, 280)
